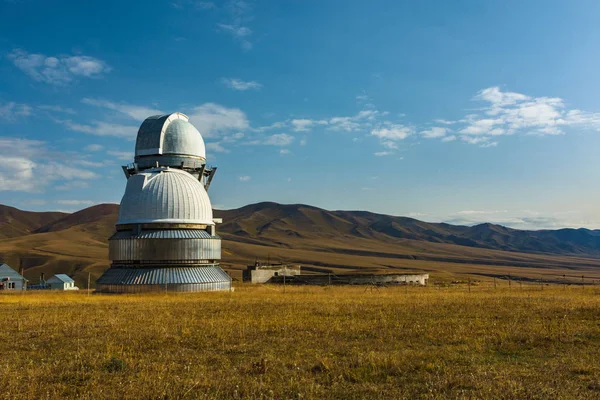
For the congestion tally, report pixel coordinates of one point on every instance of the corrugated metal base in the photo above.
(181, 279)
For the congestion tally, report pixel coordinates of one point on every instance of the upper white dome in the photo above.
(169, 134)
(165, 195)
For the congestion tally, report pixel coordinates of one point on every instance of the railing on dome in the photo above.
(205, 173)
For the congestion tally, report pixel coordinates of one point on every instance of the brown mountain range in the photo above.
(320, 240)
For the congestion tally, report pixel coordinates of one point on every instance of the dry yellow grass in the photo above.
(309, 342)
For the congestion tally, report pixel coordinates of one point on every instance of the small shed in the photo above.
(11, 279)
(61, 282)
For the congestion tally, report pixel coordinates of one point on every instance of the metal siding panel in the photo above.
(125, 280)
(164, 249)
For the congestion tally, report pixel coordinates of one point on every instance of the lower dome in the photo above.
(118, 279)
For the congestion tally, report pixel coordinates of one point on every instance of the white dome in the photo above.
(170, 134)
(165, 195)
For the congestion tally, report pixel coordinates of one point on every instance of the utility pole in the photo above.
(509, 282)
(469, 284)
(88, 284)
(494, 282)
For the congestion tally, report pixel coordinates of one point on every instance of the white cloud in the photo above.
(388, 144)
(138, 113)
(481, 126)
(213, 120)
(238, 84)
(509, 113)
(58, 70)
(12, 110)
(30, 166)
(365, 119)
(279, 139)
(284, 151)
(383, 153)
(450, 138)
(444, 122)
(392, 132)
(435, 132)
(216, 147)
(274, 125)
(244, 178)
(304, 125)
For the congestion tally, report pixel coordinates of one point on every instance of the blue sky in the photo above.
(462, 112)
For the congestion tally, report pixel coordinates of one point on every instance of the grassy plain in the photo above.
(306, 342)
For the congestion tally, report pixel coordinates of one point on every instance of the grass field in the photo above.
(306, 342)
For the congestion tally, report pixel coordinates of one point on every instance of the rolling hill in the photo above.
(321, 240)
(15, 222)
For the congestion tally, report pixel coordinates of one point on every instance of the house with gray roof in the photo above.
(61, 282)
(11, 279)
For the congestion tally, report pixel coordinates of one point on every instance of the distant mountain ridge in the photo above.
(273, 222)
(320, 240)
(289, 225)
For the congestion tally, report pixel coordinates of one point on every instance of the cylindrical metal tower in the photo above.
(166, 237)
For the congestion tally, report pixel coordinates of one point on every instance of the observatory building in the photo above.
(166, 237)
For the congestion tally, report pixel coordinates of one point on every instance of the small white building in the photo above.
(61, 282)
(11, 279)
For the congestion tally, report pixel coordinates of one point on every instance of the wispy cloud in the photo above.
(121, 155)
(238, 16)
(279, 139)
(240, 85)
(138, 113)
(31, 166)
(244, 178)
(58, 109)
(100, 128)
(11, 110)
(521, 219)
(58, 70)
(435, 132)
(214, 120)
(76, 202)
(93, 147)
(392, 132)
(508, 113)
(217, 147)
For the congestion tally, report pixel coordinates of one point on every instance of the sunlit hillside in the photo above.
(320, 240)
